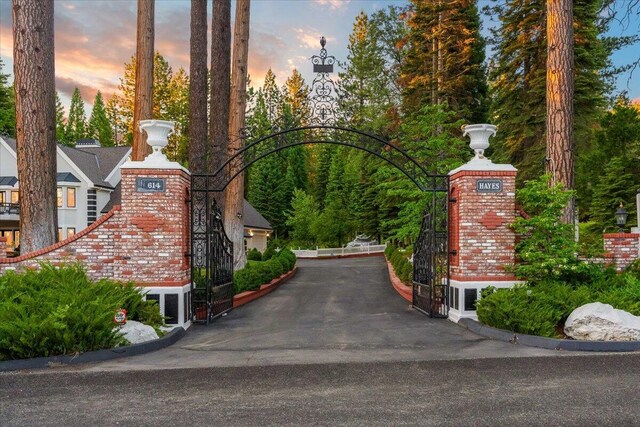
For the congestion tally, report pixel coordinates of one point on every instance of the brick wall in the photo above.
(3, 246)
(481, 235)
(144, 240)
(622, 248)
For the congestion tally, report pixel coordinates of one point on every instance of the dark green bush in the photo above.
(247, 279)
(254, 255)
(56, 311)
(268, 253)
(257, 273)
(542, 309)
(401, 264)
(389, 250)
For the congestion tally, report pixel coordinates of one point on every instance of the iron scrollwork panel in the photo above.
(431, 254)
(211, 254)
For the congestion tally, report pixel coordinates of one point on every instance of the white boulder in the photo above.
(601, 322)
(136, 332)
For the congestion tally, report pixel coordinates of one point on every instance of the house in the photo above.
(88, 186)
(87, 176)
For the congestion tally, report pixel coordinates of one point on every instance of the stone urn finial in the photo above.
(479, 135)
(157, 134)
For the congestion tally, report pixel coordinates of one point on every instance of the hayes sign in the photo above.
(489, 186)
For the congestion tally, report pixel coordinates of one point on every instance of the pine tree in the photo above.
(99, 126)
(301, 218)
(7, 106)
(60, 122)
(296, 94)
(444, 60)
(611, 167)
(518, 82)
(170, 102)
(365, 85)
(77, 121)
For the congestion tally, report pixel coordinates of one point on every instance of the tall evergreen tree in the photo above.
(99, 126)
(7, 106)
(445, 57)
(170, 102)
(296, 94)
(77, 121)
(518, 81)
(60, 122)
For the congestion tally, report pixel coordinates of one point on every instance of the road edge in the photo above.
(547, 343)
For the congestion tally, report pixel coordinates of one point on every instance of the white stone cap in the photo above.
(483, 164)
(157, 137)
(145, 164)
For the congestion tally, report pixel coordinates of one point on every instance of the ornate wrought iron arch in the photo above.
(322, 134)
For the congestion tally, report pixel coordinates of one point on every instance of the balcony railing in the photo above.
(9, 209)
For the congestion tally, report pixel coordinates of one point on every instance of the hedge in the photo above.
(258, 273)
(400, 262)
(56, 311)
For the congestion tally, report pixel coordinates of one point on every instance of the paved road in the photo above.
(335, 345)
(570, 391)
(332, 311)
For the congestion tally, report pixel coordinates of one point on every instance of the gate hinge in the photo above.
(187, 254)
(453, 252)
(453, 200)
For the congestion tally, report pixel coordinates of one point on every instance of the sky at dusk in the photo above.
(93, 39)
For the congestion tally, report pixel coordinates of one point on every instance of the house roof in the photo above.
(253, 218)
(95, 162)
(8, 180)
(116, 195)
(66, 177)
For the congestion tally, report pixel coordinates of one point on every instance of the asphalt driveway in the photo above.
(339, 310)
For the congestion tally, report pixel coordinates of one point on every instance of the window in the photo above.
(71, 231)
(59, 234)
(14, 197)
(71, 197)
(9, 235)
(1, 196)
(59, 197)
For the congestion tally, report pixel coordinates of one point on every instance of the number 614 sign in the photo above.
(150, 185)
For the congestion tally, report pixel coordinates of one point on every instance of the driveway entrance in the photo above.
(338, 310)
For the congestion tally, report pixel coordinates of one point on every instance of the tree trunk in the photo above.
(143, 103)
(198, 88)
(35, 97)
(220, 87)
(234, 197)
(560, 147)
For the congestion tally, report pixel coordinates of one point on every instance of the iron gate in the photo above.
(211, 255)
(431, 253)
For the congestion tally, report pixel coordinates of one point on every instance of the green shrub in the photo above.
(389, 250)
(254, 255)
(56, 311)
(542, 309)
(247, 279)
(268, 253)
(257, 273)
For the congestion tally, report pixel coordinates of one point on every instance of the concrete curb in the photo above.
(248, 296)
(547, 343)
(94, 356)
(405, 291)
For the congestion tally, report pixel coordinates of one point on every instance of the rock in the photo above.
(602, 322)
(136, 332)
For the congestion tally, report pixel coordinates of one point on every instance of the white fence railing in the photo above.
(328, 252)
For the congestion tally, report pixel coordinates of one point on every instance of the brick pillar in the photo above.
(482, 208)
(152, 246)
(152, 249)
(622, 248)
